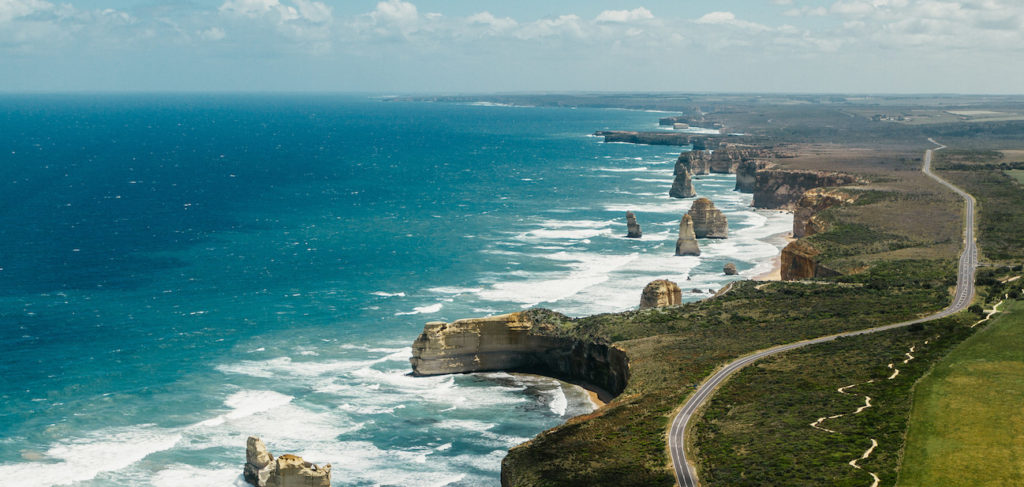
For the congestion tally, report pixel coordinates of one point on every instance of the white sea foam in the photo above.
(453, 290)
(431, 308)
(622, 169)
(386, 294)
(586, 270)
(176, 475)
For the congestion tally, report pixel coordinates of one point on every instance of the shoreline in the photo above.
(775, 274)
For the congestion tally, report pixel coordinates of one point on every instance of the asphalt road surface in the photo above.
(686, 475)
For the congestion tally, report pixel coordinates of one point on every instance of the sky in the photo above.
(477, 46)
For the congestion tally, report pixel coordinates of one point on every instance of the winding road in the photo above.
(686, 475)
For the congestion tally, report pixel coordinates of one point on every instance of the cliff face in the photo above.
(518, 342)
(813, 202)
(660, 293)
(782, 188)
(649, 138)
(746, 174)
(799, 261)
(708, 221)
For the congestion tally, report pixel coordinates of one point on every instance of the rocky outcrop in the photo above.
(262, 470)
(686, 244)
(813, 202)
(682, 186)
(800, 261)
(727, 158)
(729, 269)
(696, 161)
(661, 293)
(528, 341)
(708, 221)
(648, 138)
(782, 188)
(746, 174)
(632, 227)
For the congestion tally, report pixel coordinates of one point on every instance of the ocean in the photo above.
(178, 272)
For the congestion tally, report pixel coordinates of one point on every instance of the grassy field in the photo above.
(967, 423)
(1017, 175)
(1000, 201)
(757, 428)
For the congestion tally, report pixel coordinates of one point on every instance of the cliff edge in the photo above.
(531, 341)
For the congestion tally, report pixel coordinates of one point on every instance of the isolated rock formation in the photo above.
(696, 161)
(813, 202)
(708, 221)
(782, 188)
(800, 261)
(682, 187)
(262, 470)
(686, 244)
(660, 293)
(729, 269)
(632, 227)
(528, 341)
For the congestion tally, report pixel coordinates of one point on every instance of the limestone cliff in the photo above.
(262, 470)
(708, 221)
(660, 293)
(729, 269)
(813, 202)
(686, 244)
(746, 174)
(632, 227)
(528, 341)
(782, 188)
(648, 138)
(800, 261)
(727, 158)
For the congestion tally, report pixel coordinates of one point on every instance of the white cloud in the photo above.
(488, 19)
(316, 12)
(13, 9)
(212, 34)
(562, 25)
(396, 12)
(728, 18)
(634, 15)
(806, 12)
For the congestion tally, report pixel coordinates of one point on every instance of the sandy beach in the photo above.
(776, 273)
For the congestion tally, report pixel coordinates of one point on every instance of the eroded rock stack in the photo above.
(708, 221)
(262, 470)
(686, 244)
(696, 161)
(682, 186)
(632, 227)
(729, 269)
(661, 293)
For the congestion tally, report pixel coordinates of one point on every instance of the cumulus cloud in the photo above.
(488, 19)
(729, 18)
(212, 34)
(634, 15)
(13, 9)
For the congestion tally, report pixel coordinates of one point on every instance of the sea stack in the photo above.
(682, 186)
(729, 269)
(746, 176)
(262, 470)
(686, 244)
(632, 227)
(708, 221)
(661, 293)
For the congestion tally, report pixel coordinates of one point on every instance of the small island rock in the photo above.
(730, 269)
(262, 470)
(708, 221)
(632, 227)
(660, 293)
(686, 244)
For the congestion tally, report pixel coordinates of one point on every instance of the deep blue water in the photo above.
(178, 272)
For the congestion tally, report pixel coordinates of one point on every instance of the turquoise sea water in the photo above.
(179, 272)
